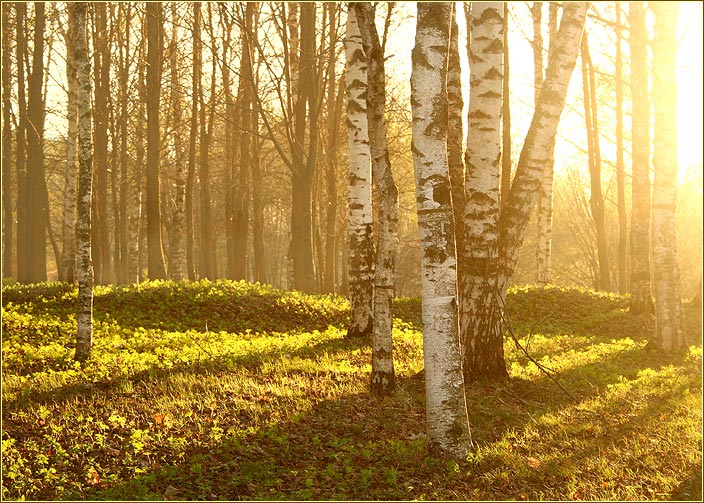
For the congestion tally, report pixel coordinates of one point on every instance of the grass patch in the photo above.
(270, 402)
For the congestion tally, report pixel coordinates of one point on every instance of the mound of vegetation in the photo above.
(271, 402)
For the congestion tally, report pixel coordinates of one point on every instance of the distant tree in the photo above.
(641, 297)
(596, 200)
(192, 140)
(177, 262)
(360, 228)
(155, 253)
(669, 325)
(84, 264)
(36, 182)
(7, 234)
(620, 168)
(446, 408)
(383, 378)
(21, 142)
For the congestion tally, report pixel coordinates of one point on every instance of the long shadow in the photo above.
(206, 366)
(321, 453)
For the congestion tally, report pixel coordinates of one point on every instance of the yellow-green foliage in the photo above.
(224, 390)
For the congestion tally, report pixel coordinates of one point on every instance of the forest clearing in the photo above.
(270, 402)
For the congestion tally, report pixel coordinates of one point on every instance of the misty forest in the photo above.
(352, 251)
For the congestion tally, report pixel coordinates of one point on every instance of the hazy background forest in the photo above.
(205, 141)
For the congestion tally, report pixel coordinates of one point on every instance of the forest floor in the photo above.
(224, 390)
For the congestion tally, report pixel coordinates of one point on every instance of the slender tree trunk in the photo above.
(383, 378)
(506, 119)
(84, 337)
(545, 197)
(620, 170)
(101, 69)
(480, 309)
(260, 274)
(177, 255)
(669, 320)
(596, 200)
(641, 298)
(190, 177)
(155, 252)
(360, 228)
(66, 271)
(124, 169)
(241, 203)
(21, 155)
(36, 182)
(136, 215)
(331, 154)
(7, 232)
(446, 408)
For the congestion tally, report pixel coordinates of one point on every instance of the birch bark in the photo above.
(84, 263)
(480, 311)
(68, 257)
(446, 408)
(669, 327)
(383, 377)
(361, 245)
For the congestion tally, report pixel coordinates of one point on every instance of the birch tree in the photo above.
(446, 408)
(641, 297)
(360, 235)
(669, 327)
(84, 263)
(383, 378)
(487, 361)
(479, 310)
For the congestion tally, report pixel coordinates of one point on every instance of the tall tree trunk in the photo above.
(596, 200)
(101, 69)
(177, 264)
(124, 173)
(136, 216)
(383, 377)
(446, 408)
(36, 182)
(620, 170)
(506, 119)
(641, 298)
(480, 309)
(21, 154)
(84, 337)
(359, 228)
(669, 321)
(190, 176)
(7, 234)
(155, 253)
(241, 201)
(260, 273)
(515, 213)
(329, 282)
(545, 196)
(304, 162)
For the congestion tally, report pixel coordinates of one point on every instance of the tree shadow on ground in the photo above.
(356, 446)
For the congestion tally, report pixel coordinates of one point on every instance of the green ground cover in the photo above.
(224, 390)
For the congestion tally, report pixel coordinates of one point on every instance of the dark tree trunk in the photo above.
(21, 154)
(36, 182)
(7, 234)
(190, 175)
(155, 253)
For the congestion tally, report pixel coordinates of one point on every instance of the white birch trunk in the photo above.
(68, 257)
(669, 327)
(536, 150)
(84, 263)
(480, 312)
(383, 378)
(360, 235)
(178, 258)
(446, 408)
